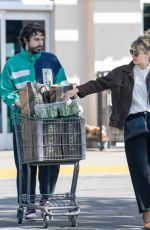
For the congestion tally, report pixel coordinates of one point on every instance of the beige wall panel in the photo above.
(114, 40)
(78, 57)
(87, 57)
(68, 53)
(116, 5)
(66, 17)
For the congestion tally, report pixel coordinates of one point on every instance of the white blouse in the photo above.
(140, 96)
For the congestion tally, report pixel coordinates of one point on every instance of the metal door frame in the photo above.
(6, 142)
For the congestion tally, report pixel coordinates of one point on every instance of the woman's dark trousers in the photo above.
(138, 158)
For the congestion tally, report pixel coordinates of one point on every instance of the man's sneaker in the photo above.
(30, 214)
(45, 203)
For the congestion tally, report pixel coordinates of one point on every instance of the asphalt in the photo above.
(104, 194)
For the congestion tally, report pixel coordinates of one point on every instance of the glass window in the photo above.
(146, 16)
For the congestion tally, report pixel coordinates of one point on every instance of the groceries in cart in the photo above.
(43, 101)
(58, 109)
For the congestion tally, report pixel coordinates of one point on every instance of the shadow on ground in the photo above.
(96, 213)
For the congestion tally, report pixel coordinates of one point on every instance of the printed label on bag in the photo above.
(47, 76)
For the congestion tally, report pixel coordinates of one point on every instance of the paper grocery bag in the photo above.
(55, 93)
(29, 97)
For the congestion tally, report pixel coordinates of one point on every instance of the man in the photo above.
(31, 65)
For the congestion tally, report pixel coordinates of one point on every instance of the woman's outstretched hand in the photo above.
(71, 93)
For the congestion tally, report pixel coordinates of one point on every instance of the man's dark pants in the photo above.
(48, 175)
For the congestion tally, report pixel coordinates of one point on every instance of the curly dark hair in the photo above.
(28, 31)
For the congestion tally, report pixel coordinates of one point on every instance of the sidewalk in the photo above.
(104, 193)
(96, 162)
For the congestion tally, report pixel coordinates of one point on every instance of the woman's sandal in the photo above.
(146, 219)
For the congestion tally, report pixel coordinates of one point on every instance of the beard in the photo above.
(34, 50)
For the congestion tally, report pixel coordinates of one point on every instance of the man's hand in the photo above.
(71, 93)
(17, 104)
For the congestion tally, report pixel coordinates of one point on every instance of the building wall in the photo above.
(101, 40)
(117, 24)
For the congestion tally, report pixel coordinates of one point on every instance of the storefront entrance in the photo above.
(10, 25)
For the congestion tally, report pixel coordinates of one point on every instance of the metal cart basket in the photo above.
(46, 142)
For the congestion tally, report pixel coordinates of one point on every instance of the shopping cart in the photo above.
(47, 142)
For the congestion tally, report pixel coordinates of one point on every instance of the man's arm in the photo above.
(9, 93)
(59, 72)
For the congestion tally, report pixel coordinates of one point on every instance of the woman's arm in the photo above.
(90, 87)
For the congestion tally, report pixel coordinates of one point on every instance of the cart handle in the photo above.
(15, 106)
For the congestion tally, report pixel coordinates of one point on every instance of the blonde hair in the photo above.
(143, 42)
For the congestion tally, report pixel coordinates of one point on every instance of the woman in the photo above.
(129, 85)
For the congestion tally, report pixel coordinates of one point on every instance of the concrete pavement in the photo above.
(96, 162)
(104, 193)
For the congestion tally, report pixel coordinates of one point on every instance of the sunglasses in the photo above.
(134, 52)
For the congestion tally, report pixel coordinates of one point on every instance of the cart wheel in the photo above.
(45, 221)
(73, 221)
(20, 215)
